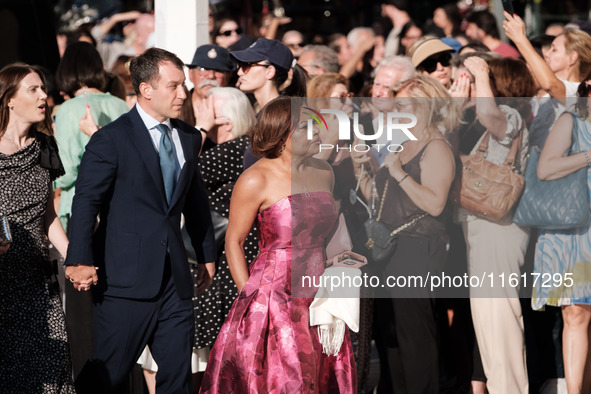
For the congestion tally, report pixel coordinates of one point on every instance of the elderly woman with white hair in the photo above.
(221, 165)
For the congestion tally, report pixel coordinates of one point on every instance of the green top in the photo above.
(72, 142)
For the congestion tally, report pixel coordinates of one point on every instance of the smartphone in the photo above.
(508, 6)
(347, 259)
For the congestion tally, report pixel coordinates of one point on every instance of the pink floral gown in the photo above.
(266, 344)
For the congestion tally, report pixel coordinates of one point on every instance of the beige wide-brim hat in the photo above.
(427, 48)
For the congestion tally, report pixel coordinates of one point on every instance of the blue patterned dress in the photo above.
(561, 252)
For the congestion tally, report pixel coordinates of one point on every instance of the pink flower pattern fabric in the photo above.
(266, 344)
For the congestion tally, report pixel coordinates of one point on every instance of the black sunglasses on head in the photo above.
(430, 64)
(228, 33)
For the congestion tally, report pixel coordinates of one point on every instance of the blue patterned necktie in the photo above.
(168, 163)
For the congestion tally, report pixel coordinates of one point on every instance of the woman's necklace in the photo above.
(14, 144)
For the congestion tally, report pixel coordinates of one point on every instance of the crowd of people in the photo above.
(185, 215)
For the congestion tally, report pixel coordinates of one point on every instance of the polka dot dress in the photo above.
(34, 353)
(220, 165)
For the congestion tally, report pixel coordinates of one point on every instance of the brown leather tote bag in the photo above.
(486, 189)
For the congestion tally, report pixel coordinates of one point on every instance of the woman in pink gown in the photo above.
(266, 344)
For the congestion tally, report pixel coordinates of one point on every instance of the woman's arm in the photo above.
(515, 30)
(349, 68)
(489, 114)
(437, 174)
(245, 203)
(274, 24)
(103, 28)
(53, 227)
(552, 164)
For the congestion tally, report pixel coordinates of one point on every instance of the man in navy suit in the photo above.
(140, 173)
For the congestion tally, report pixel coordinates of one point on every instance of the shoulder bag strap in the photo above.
(383, 199)
(510, 159)
(483, 147)
(576, 131)
(405, 225)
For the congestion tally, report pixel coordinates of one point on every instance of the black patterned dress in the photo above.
(34, 353)
(221, 166)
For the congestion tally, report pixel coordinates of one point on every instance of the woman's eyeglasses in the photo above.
(430, 64)
(247, 66)
(228, 33)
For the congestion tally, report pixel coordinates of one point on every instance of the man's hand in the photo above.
(82, 276)
(398, 17)
(205, 274)
(126, 16)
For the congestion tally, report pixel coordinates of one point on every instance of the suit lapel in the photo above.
(141, 138)
(184, 179)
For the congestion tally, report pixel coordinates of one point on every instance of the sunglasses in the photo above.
(295, 45)
(228, 33)
(247, 66)
(430, 64)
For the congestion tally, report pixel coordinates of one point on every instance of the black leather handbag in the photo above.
(381, 241)
(220, 225)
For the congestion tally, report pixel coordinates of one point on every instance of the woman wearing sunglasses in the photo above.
(226, 32)
(432, 57)
(268, 69)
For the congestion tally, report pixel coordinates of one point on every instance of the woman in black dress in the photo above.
(34, 353)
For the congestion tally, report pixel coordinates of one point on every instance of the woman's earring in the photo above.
(282, 149)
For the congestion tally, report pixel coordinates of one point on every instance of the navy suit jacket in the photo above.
(120, 178)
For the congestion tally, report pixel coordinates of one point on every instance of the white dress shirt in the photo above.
(155, 135)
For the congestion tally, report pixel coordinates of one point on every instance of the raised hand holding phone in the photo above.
(508, 6)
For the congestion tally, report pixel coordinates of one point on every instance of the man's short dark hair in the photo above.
(145, 68)
(486, 21)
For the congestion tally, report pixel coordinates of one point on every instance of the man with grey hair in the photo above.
(389, 72)
(318, 59)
